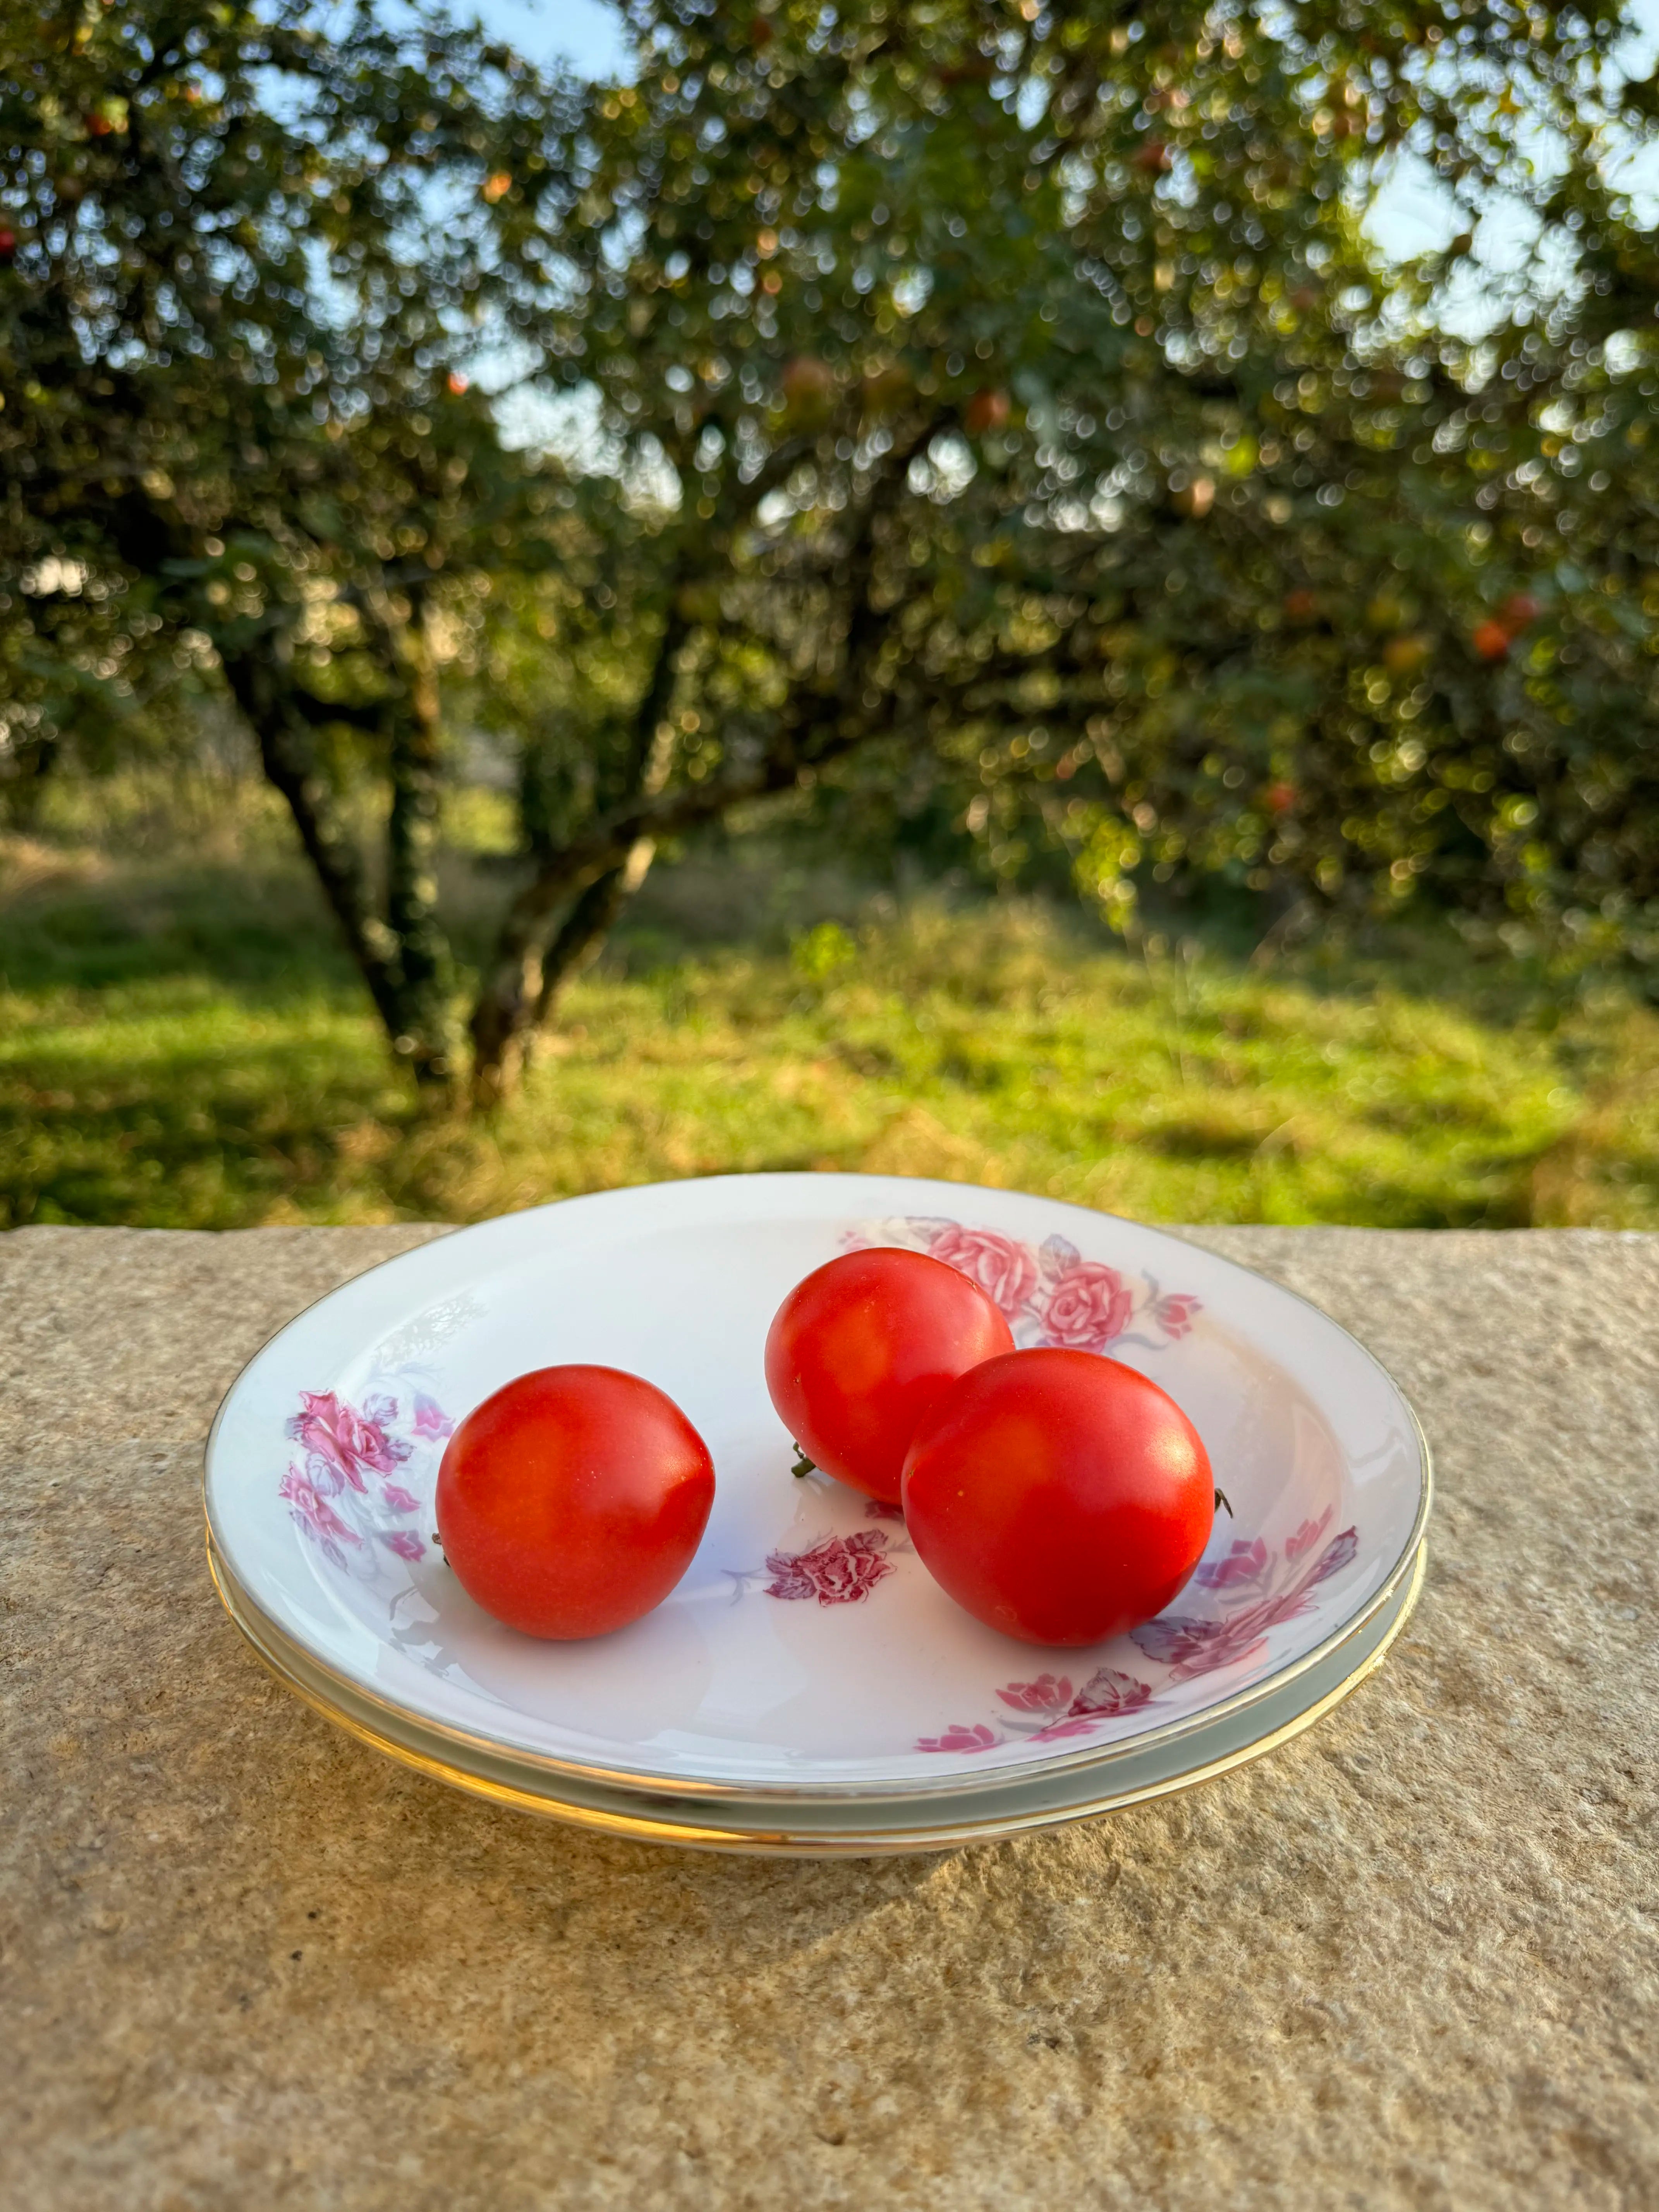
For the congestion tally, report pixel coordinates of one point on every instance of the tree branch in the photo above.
(589, 922)
(526, 974)
(819, 729)
(320, 713)
(288, 751)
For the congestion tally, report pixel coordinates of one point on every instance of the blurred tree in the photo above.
(1010, 391)
(1016, 389)
(243, 256)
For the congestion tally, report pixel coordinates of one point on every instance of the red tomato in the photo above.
(864, 1348)
(1059, 1496)
(571, 1501)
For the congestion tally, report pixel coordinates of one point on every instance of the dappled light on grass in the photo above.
(157, 1071)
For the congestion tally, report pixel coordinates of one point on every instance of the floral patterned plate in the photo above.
(806, 1659)
(1006, 1803)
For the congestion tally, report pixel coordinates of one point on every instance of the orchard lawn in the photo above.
(183, 1045)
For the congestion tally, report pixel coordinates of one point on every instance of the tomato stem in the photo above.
(802, 1465)
(1220, 1500)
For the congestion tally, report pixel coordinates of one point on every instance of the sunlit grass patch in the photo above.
(188, 1048)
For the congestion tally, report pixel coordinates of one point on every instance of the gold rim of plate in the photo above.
(650, 1826)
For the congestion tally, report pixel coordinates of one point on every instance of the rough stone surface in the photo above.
(1408, 1960)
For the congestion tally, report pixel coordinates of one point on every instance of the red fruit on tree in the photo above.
(1301, 605)
(1154, 158)
(1490, 640)
(8, 244)
(1519, 611)
(1280, 798)
(456, 383)
(986, 410)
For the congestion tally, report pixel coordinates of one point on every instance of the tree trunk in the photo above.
(426, 1033)
(287, 751)
(589, 922)
(535, 954)
(403, 959)
(24, 786)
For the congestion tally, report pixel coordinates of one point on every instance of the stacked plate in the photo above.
(807, 1687)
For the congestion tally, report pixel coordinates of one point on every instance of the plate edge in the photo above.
(783, 1843)
(667, 1785)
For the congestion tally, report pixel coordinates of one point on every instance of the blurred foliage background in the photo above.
(925, 586)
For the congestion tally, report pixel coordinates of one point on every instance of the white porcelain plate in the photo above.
(807, 1655)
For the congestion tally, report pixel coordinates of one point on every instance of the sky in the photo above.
(583, 33)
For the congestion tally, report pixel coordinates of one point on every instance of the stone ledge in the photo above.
(1410, 1960)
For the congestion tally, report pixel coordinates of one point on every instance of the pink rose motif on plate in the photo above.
(1048, 1294)
(1089, 1306)
(1106, 1690)
(1049, 1694)
(1191, 1646)
(961, 1739)
(1298, 1546)
(340, 1445)
(314, 1514)
(1244, 1567)
(1005, 1271)
(839, 1570)
(430, 1418)
(1049, 1709)
(1255, 1586)
(1175, 1311)
(351, 1444)
(1105, 1694)
(1337, 1554)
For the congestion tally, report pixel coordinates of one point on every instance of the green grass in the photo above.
(183, 1045)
